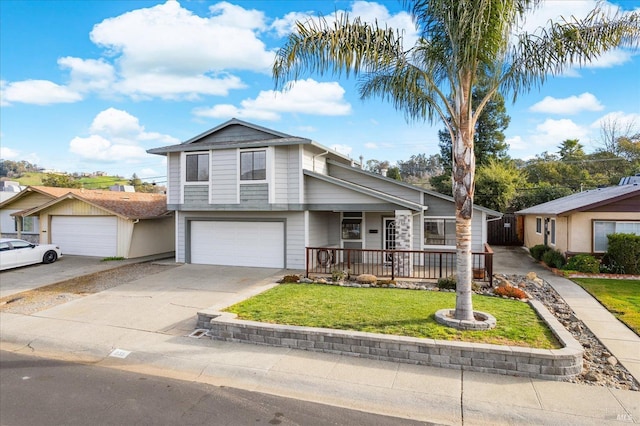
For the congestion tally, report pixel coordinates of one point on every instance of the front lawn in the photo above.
(620, 297)
(390, 311)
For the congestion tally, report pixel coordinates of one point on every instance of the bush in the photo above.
(289, 279)
(450, 282)
(624, 252)
(510, 291)
(366, 279)
(583, 263)
(447, 283)
(538, 251)
(553, 258)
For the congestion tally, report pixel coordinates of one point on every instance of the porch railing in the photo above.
(417, 264)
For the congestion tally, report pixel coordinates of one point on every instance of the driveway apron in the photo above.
(167, 302)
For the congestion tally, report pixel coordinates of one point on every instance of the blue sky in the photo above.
(91, 85)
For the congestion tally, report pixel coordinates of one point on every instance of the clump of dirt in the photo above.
(39, 299)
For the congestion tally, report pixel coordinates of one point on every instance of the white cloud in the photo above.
(623, 120)
(548, 135)
(570, 105)
(369, 12)
(168, 51)
(88, 74)
(307, 129)
(7, 153)
(371, 145)
(38, 92)
(300, 97)
(115, 137)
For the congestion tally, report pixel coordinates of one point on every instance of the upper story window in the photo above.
(197, 167)
(253, 165)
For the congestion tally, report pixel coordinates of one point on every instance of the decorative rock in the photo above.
(321, 281)
(612, 360)
(307, 280)
(592, 376)
(366, 279)
(531, 276)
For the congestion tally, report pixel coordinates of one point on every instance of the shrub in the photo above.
(289, 279)
(450, 282)
(386, 282)
(553, 258)
(510, 291)
(538, 251)
(583, 263)
(447, 283)
(624, 252)
(338, 275)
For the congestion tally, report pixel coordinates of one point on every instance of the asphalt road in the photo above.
(39, 391)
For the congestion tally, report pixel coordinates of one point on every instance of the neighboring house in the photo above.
(90, 222)
(245, 195)
(580, 223)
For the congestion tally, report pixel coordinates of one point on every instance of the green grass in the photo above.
(620, 297)
(96, 182)
(397, 312)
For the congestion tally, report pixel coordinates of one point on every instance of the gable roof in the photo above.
(367, 191)
(48, 191)
(128, 205)
(262, 137)
(417, 188)
(584, 201)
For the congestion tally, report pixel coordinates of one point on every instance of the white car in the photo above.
(14, 253)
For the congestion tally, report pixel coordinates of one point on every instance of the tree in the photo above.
(571, 150)
(497, 183)
(489, 140)
(394, 173)
(461, 44)
(60, 181)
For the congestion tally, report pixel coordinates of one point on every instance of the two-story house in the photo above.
(245, 195)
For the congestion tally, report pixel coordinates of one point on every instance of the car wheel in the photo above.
(50, 257)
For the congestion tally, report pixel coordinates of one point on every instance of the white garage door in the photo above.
(238, 243)
(85, 235)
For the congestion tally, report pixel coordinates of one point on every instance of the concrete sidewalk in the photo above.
(154, 317)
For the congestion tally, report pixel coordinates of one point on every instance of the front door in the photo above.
(389, 237)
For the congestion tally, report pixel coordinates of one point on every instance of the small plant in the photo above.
(583, 263)
(338, 275)
(109, 259)
(553, 258)
(385, 282)
(538, 251)
(510, 291)
(447, 283)
(290, 279)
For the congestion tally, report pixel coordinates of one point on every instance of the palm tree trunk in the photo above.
(463, 188)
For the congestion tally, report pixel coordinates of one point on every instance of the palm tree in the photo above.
(461, 43)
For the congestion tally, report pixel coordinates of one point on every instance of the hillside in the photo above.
(96, 182)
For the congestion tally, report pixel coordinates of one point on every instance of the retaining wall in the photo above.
(551, 364)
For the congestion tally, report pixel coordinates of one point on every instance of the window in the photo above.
(553, 232)
(197, 167)
(253, 165)
(21, 245)
(538, 225)
(352, 226)
(603, 228)
(439, 232)
(29, 224)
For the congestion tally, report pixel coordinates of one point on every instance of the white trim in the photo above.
(553, 228)
(183, 173)
(433, 246)
(301, 174)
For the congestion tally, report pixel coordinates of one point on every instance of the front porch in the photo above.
(413, 264)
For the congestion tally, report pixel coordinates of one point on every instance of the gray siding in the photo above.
(254, 194)
(224, 177)
(174, 178)
(295, 252)
(373, 221)
(235, 133)
(372, 182)
(317, 164)
(196, 195)
(287, 174)
(439, 207)
(320, 229)
(320, 192)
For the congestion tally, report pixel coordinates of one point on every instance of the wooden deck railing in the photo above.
(420, 264)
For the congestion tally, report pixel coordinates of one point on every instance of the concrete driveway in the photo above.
(17, 280)
(166, 302)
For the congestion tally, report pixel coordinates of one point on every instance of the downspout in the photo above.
(314, 159)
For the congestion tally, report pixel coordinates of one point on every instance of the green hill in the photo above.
(95, 182)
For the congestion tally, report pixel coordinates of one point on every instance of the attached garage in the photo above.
(238, 243)
(85, 235)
